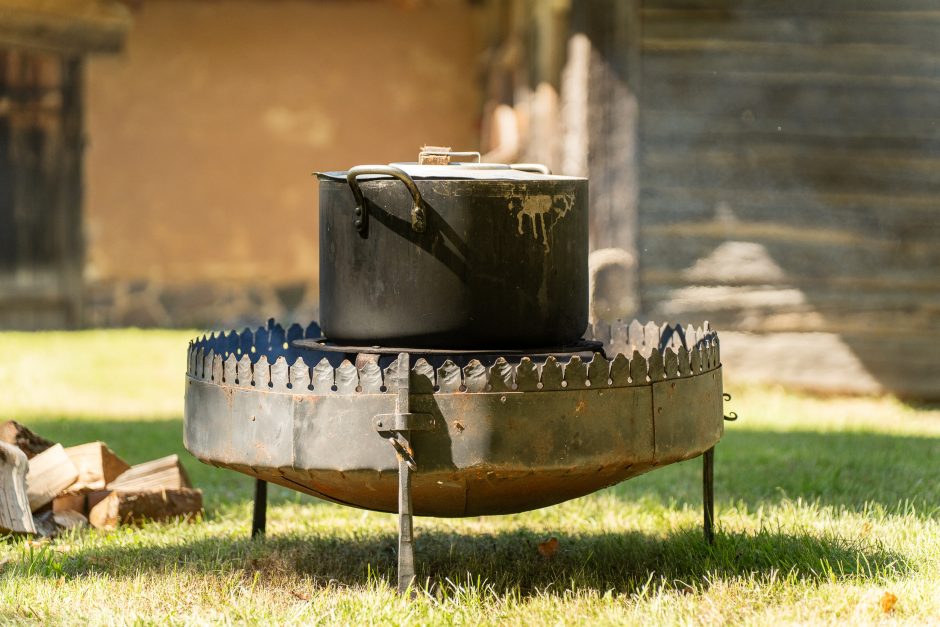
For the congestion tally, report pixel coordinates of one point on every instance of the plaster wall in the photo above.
(204, 132)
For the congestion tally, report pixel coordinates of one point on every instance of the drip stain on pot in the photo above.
(542, 211)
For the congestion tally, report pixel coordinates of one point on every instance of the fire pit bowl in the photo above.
(442, 434)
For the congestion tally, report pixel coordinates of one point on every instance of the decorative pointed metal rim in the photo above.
(643, 354)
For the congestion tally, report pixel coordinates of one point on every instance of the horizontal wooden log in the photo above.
(69, 26)
(757, 321)
(790, 308)
(844, 243)
(843, 362)
(793, 260)
(910, 212)
(872, 89)
(665, 126)
(799, 28)
(885, 7)
(159, 474)
(787, 168)
(834, 298)
(901, 230)
(137, 507)
(896, 291)
(709, 94)
(665, 56)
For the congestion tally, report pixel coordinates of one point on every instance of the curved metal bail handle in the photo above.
(361, 222)
(539, 168)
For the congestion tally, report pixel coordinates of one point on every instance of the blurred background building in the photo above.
(771, 166)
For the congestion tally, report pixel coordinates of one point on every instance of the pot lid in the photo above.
(439, 163)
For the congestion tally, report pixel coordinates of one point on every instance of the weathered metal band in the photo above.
(644, 354)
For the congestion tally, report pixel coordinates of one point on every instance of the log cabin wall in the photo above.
(790, 185)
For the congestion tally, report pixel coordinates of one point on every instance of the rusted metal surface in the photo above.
(510, 434)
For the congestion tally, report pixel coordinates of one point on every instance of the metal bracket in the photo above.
(404, 422)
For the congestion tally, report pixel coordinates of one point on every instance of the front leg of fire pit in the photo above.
(259, 516)
(397, 429)
(708, 494)
(406, 548)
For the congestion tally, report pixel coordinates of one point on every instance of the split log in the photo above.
(165, 473)
(16, 434)
(50, 472)
(97, 466)
(136, 507)
(71, 503)
(15, 514)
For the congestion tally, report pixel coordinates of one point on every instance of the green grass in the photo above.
(824, 506)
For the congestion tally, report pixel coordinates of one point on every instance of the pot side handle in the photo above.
(361, 221)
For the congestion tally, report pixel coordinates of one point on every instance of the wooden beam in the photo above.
(65, 26)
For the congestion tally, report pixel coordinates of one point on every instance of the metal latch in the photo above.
(404, 422)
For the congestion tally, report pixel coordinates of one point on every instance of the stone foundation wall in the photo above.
(142, 303)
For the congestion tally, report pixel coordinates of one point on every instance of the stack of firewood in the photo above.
(45, 487)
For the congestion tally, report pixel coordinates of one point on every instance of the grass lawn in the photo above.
(825, 507)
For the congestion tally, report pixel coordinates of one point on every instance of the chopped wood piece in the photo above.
(70, 503)
(165, 473)
(97, 466)
(50, 472)
(428, 159)
(15, 515)
(135, 507)
(16, 434)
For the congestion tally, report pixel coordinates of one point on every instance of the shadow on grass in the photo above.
(626, 562)
(842, 469)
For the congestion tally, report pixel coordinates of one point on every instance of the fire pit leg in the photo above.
(406, 549)
(397, 428)
(260, 515)
(708, 494)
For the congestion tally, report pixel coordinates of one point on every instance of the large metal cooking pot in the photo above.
(456, 255)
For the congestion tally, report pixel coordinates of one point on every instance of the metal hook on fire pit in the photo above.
(732, 415)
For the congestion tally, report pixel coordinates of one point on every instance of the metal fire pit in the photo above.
(453, 433)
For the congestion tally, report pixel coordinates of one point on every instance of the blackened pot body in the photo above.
(499, 263)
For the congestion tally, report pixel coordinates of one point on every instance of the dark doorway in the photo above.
(40, 190)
